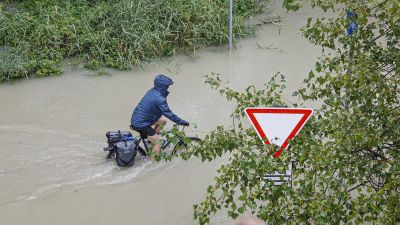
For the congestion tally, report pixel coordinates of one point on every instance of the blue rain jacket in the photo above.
(154, 104)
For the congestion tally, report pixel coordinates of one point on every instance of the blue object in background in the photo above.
(351, 17)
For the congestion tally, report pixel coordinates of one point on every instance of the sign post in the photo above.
(230, 24)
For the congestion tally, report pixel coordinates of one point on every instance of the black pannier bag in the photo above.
(123, 146)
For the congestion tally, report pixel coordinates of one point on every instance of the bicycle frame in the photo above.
(144, 152)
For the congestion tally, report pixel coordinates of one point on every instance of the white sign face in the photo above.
(278, 125)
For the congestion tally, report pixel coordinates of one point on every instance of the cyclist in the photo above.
(151, 112)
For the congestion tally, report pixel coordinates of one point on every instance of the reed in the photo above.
(115, 33)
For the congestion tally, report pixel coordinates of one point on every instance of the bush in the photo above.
(119, 33)
(11, 65)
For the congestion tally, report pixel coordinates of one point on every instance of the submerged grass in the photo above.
(36, 36)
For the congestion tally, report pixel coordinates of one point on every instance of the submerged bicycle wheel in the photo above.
(182, 146)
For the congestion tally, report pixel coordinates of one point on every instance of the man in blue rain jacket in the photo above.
(151, 112)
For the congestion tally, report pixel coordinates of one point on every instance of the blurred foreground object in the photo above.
(248, 220)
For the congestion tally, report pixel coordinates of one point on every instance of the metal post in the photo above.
(230, 48)
(230, 24)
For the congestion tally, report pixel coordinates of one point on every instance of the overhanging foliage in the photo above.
(347, 157)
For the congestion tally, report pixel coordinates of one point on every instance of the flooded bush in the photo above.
(118, 34)
(11, 65)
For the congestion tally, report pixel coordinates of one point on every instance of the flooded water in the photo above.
(52, 131)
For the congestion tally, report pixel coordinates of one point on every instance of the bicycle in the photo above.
(164, 145)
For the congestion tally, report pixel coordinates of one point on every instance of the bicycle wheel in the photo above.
(182, 146)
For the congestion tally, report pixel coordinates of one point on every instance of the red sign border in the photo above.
(306, 115)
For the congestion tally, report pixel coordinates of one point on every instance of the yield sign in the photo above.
(278, 125)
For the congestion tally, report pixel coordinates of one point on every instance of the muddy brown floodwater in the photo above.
(52, 131)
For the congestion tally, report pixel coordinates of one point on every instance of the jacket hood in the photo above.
(161, 84)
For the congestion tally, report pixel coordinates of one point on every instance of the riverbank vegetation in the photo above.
(37, 36)
(346, 159)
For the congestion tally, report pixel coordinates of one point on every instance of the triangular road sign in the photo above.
(278, 125)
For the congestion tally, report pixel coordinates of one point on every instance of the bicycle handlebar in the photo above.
(177, 125)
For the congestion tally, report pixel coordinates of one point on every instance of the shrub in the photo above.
(118, 33)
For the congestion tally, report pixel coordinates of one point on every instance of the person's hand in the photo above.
(184, 123)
